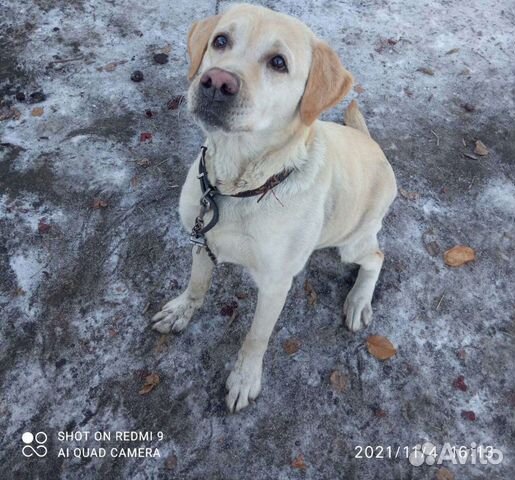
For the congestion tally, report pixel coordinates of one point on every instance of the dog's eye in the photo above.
(220, 42)
(278, 63)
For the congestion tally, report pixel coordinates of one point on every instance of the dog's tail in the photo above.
(355, 119)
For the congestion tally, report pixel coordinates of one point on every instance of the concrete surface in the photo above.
(79, 284)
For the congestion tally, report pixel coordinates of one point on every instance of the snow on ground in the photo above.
(79, 284)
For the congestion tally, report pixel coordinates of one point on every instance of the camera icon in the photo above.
(34, 444)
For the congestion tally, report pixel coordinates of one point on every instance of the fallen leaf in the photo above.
(408, 195)
(151, 381)
(110, 67)
(43, 227)
(291, 346)
(468, 415)
(171, 462)
(459, 383)
(311, 294)
(145, 137)
(461, 354)
(452, 50)
(480, 149)
(380, 413)
(37, 111)
(408, 92)
(144, 162)
(10, 114)
(134, 181)
(426, 70)
(338, 381)
(459, 255)
(99, 203)
(358, 89)
(444, 474)
(380, 347)
(228, 310)
(299, 463)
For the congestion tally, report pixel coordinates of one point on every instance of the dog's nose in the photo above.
(219, 83)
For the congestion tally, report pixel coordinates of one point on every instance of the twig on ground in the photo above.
(440, 302)
(437, 138)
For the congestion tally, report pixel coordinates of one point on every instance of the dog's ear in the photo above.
(198, 36)
(328, 82)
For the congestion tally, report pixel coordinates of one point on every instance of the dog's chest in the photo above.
(230, 239)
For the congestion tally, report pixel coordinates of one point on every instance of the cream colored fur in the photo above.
(340, 189)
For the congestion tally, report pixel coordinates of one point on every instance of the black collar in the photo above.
(272, 182)
(208, 202)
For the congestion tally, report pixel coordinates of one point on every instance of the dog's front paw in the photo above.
(357, 310)
(244, 383)
(175, 315)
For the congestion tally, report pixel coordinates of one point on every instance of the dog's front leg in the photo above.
(176, 314)
(244, 382)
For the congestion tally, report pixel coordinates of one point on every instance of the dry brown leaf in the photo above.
(37, 111)
(359, 88)
(408, 195)
(99, 203)
(171, 462)
(338, 381)
(151, 381)
(426, 70)
(380, 347)
(480, 149)
(291, 346)
(10, 114)
(299, 463)
(444, 474)
(459, 255)
(310, 293)
(111, 67)
(144, 162)
(452, 50)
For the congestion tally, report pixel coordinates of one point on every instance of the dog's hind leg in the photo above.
(357, 308)
(177, 313)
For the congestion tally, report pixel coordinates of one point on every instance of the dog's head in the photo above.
(253, 69)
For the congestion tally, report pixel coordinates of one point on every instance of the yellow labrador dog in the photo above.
(273, 183)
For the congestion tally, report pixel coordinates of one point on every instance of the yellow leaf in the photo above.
(480, 149)
(459, 255)
(299, 463)
(444, 474)
(151, 381)
(291, 346)
(380, 347)
(338, 381)
(310, 292)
